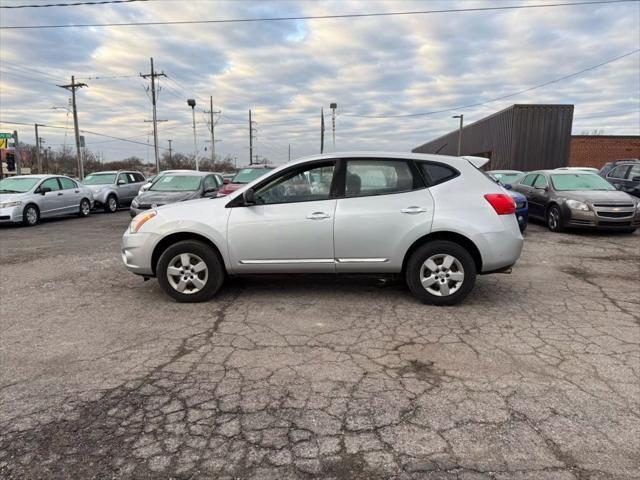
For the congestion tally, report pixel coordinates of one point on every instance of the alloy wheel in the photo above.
(113, 204)
(187, 273)
(442, 275)
(32, 216)
(554, 218)
(85, 208)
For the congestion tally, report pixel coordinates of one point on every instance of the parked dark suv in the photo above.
(624, 175)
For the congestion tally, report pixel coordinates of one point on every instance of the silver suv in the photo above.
(436, 220)
(113, 189)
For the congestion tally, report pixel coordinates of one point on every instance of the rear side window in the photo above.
(436, 173)
(528, 180)
(138, 177)
(379, 177)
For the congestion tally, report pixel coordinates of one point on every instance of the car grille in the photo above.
(147, 206)
(614, 205)
(615, 214)
(614, 224)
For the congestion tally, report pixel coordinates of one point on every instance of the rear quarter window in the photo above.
(436, 173)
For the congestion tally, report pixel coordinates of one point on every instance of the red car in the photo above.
(243, 177)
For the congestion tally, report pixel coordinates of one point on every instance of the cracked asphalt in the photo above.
(535, 376)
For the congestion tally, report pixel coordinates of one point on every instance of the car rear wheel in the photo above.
(190, 271)
(555, 221)
(85, 208)
(30, 216)
(441, 273)
(111, 205)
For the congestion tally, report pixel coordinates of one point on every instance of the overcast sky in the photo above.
(286, 71)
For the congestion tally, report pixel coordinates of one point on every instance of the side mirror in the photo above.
(121, 182)
(44, 190)
(544, 189)
(209, 191)
(249, 197)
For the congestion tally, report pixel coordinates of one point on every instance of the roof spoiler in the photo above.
(477, 162)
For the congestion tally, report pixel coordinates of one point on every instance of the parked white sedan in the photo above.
(436, 220)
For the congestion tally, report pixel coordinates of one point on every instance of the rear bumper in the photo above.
(500, 250)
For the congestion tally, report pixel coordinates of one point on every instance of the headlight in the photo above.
(14, 203)
(576, 205)
(139, 220)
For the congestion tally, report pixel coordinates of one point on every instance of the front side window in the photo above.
(528, 180)
(619, 172)
(540, 182)
(99, 179)
(307, 185)
(210, 183)
(67, 183)
(378, 177)
(18, 185)
(51, 183)
(176, 183)
(580, 181)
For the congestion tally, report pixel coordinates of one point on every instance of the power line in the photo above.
(74, 4)
(461, 107)
(314, 17)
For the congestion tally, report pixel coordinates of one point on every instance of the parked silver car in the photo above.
(434, 219)
(113, 189)
(28, 198)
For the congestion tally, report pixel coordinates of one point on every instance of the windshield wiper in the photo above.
(10, 191)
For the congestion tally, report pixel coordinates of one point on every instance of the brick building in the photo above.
(596, 150)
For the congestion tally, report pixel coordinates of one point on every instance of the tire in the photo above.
(555, 222)
(420, 268)
(111, 204)
(85, 208)
(30, 215)
(192, 252)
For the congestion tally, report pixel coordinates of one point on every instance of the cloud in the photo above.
(285, 71)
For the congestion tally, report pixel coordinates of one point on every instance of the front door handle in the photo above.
(60, 193)
(413, 210)
(318, 216)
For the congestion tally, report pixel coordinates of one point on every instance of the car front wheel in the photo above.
(111, 205)
(441, 273)
(190, 271)
(554, 219)
(31, 216)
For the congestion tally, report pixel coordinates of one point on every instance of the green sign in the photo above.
(6, 135)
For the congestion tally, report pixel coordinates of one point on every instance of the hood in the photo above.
(596, 196)
(7, 197)
(161, 198)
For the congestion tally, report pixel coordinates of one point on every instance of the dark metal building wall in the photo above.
(521, 137)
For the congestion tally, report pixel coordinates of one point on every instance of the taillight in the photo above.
(501, 203)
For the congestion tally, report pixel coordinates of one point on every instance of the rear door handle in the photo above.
(318, 216)
(60, 193)
(413, 210)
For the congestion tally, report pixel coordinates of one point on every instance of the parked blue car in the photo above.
(506, 178)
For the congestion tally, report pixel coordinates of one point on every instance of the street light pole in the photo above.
(461, 117)
(192, 103)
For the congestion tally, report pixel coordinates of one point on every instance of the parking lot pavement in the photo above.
(535, 376)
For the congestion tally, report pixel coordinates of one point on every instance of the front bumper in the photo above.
(137, 250)
(606, 220)
(11, 214)
(133, 211)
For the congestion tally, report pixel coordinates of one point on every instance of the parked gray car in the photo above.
(176, 187)
(28, 198)
(578, 199)
(114, 188)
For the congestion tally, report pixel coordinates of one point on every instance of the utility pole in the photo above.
(170, 150)
(212, 127)
(289, 152)
(333, 107)
(250, 139)
(321, 129)
(461, 117)
(72, 87)
(153, 76)
(192, 103)
(38, 158)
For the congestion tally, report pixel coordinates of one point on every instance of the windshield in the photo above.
(580, 181)
(17, 185)
(100, 179)
(176, 183)
(505, 178)
(247, 175)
